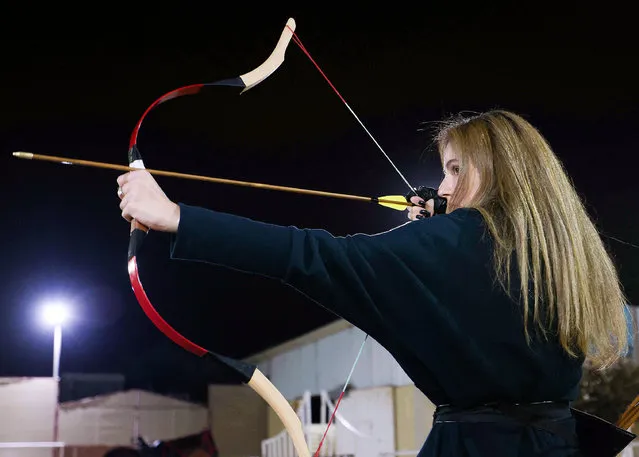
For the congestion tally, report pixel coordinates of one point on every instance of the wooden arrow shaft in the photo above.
(173, 174)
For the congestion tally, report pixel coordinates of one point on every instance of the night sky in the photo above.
(75, 83)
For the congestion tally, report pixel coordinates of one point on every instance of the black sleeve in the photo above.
(362, 278)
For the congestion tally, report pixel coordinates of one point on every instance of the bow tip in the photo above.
(291, 24)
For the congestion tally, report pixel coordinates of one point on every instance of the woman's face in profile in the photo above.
(451, 175)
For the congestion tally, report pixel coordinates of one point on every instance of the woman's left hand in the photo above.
(142, 199)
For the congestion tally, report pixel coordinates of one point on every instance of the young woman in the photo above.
(491, 308)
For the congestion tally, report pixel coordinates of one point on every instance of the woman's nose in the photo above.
(445, 189)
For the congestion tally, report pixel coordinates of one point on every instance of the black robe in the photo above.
(426, 291)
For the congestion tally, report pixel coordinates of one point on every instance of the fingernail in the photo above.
(421, 203)
(419, 217)
(424, 212)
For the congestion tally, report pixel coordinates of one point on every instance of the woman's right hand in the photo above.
(421, 209)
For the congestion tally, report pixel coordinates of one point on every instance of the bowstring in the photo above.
(627, 243)
(308, 54)
(299, 43)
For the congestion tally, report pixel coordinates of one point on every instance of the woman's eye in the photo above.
(453, 170)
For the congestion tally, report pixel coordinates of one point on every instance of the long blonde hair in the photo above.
(532, 210)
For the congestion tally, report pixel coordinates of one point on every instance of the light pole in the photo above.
(57, 349)
(56, 314)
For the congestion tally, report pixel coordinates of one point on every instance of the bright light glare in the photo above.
(55, 313)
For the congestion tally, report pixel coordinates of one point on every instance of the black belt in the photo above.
(546, 415)
(591, 434)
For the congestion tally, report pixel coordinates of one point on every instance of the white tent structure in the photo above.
(118, 419)
(28, 408)
(33, 424)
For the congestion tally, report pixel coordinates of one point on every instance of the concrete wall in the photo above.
(238, 420)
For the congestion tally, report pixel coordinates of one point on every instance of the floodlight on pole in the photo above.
(56, 314)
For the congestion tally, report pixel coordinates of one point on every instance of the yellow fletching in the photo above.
(397, 202)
